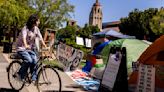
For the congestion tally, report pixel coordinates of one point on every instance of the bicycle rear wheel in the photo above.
(48, 80)
(13, 78)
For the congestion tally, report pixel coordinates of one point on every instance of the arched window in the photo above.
(98, 10)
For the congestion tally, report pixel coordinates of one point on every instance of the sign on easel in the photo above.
(111, 70)
(115, 75)
(146, 78)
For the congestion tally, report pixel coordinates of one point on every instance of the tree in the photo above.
(69, 33)
(157, 23)
(88, 30)
(13, 15)
(137, 23)
(52, 12)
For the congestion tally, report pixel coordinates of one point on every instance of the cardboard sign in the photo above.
(115, 75)
(69, 56)
(146, 78)
(111, 70)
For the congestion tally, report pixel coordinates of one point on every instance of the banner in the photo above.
(146, 78)
(69, 57)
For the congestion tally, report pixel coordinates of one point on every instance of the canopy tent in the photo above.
(102, 33)
(134, 49)
(154, 55)
(112, 33)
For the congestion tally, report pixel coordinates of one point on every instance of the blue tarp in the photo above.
(88, 65)
(100, 47)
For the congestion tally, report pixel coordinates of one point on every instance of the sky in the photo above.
(112, 10)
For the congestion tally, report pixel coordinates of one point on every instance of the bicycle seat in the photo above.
(15, 56)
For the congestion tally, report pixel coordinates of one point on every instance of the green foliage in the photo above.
(69, 34)
(13, 14)
(137, 23)
(88, 30)
(52, 12)
(157, 23)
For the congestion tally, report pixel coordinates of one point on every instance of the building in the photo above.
(95, 17)
(111, 25)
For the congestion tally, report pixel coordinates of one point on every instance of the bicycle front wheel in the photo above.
(48, 80)
(13, 78)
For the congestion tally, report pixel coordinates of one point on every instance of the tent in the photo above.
(112, 33)
(134, 48)
(154, 55)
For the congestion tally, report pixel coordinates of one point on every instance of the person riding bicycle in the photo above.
(26, 47)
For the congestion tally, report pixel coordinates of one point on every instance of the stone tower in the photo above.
(95, 17)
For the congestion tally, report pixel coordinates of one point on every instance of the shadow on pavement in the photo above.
(75, 86)
(7, 90)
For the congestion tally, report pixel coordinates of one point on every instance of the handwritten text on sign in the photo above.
(69, 56)
(111, 70)
(146, 78)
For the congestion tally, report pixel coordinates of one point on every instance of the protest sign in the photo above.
(111, 70)
(69, 57)
(146, 78)
(115, 74)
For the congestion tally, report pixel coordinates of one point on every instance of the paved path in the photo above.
(4, 85)
(3, 74)
(67, 84)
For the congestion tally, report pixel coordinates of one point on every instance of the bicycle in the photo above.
(43, 82)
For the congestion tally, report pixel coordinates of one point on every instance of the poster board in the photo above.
(88, 42)
(115, 75)
(79, 40)
(111, 70)
(69, 57)
(83, 41)
(146, 78)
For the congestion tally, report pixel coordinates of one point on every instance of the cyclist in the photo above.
(26, 47)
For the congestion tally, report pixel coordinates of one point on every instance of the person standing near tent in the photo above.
(25, 46)
(96, 50)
